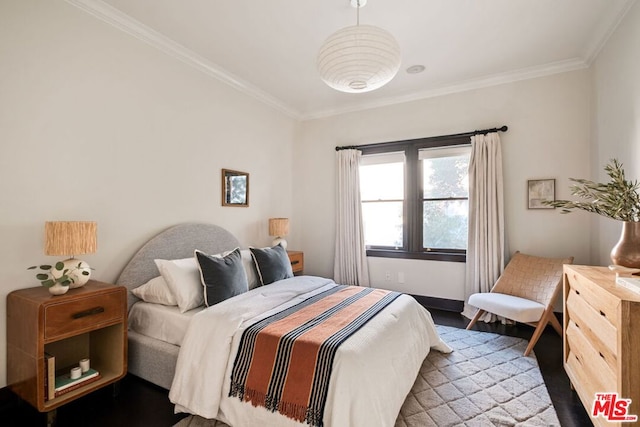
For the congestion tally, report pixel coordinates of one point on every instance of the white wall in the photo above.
(97, 125)
(548, 137)
(616, 118)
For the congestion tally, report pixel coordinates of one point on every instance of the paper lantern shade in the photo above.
(359, 58)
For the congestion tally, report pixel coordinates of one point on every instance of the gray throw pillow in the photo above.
(222, 277)
(272, 264)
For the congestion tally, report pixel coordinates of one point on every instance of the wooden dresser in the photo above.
(601, 337)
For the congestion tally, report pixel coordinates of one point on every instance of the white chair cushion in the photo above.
(514, 308)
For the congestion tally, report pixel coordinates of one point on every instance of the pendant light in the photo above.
(359, 58)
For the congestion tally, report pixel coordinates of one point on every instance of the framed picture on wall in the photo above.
(540, 190)
(235, 188)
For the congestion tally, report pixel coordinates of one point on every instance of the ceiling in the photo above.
(267, 48)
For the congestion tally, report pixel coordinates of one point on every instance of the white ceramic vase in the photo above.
(58, 289)
(279, 241)
(76, 269)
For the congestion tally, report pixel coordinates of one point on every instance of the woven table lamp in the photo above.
(279, 227)
(71, 238)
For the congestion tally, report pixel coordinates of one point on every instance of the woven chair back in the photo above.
(531, 277)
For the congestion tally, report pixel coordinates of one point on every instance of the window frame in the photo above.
(413, 198)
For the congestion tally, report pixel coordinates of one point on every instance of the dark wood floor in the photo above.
(142, 404)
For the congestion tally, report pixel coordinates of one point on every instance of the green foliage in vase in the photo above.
(617, 199)
(64, 277)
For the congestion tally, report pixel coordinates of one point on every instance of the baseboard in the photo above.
(440, 303)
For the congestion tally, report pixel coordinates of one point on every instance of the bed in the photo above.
(198, 372)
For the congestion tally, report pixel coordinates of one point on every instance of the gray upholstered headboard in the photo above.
(176, 242)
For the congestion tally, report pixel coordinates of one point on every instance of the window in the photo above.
(382, 193)
(445, 198)
(415, 198)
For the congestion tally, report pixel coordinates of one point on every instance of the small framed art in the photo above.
(540, 190)
(235, 188)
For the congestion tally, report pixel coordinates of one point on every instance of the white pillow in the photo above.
(183, 278)
(155, 291)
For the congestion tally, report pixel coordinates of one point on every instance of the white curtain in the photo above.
(485, 250)
(350, 265)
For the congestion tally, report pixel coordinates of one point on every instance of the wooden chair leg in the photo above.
(554, 322)
(542, 323)
(475, 318)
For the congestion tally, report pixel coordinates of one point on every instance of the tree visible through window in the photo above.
(445, 203)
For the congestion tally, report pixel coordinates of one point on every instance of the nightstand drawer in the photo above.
(297, 261)
(81, 315)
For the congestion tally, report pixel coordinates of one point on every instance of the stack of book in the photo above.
(631, 283)
(64, 383)
(57, 385)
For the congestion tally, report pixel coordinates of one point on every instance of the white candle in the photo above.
(84, 365)
(75, 373)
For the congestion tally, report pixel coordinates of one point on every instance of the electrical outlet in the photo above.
(400, 277)
(387, 276)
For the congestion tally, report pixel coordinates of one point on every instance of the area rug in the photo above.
(485, 381)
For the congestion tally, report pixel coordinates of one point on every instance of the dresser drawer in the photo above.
(596, 327)
(81, 315)
(597, 297)
(591, 361)
(581, 379)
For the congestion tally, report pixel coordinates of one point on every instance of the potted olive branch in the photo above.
(617, 199)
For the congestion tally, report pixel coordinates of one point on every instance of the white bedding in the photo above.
(162, 322)
(373, 370)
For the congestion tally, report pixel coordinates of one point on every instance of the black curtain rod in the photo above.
(457, 135)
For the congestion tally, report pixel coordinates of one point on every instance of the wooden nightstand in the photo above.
(87, 322)
(297, 262)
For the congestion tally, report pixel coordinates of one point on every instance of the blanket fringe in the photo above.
(293, 410)
(257, 398)
(237, 390)
(314, 418)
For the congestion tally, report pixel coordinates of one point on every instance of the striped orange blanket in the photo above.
(284, 362)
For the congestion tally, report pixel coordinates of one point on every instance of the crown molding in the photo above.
(600, 39)
(462, 86)
(123, 22)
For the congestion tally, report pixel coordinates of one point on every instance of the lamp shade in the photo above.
(278, 227)
(359, 58)
(70, 237)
